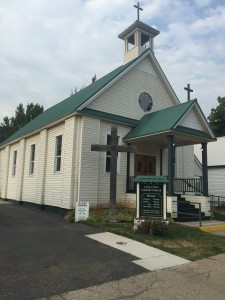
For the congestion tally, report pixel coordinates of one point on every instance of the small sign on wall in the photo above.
(82, 211)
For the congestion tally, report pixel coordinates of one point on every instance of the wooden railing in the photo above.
(181, 185)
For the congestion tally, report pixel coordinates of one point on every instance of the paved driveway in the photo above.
(41, 255)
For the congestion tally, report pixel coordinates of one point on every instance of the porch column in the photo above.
(204, 169)
(170, 165)
(128, 171)
(161, 163)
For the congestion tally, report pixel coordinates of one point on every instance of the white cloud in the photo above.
(50, 47)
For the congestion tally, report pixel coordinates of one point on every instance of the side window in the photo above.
(58, 153)
(32, 158)
(14, 163)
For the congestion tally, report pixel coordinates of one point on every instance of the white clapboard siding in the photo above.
(89, 162)
(216, 179)
(4, 168)
(12, 180)
(68, 164)
(103, 176)
(78, 138)
(53, 180)
(20, 170)
(179, 162)
(40, 165)
(30, 181)
(188, 169)
(124, 94)
(165, 162)
(197, 167)
(193, 120)
(184, 162)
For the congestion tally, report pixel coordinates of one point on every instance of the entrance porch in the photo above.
(164, 143)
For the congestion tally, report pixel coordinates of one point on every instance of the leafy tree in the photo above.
(217, 118)
(21, 118)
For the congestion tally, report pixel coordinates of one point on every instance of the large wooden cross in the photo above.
(189, 90)
(138, 10)
(113, 148)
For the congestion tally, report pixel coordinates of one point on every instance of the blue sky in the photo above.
(50, 47)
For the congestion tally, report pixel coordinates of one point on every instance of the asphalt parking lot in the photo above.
(42, 255)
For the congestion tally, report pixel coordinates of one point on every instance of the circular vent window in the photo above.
(145, 102)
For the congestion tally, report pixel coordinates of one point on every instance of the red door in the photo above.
(144, 165)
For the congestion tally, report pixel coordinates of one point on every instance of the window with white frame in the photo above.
(14, 162)
(58, 153)
(108, 154)
(32, 158)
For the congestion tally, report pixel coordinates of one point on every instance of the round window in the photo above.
(145, 102)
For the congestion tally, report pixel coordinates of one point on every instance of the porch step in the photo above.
(187, 211)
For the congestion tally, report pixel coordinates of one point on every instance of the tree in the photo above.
(21, 118)
(217, 118)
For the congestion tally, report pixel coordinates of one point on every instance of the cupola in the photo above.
(137, 37)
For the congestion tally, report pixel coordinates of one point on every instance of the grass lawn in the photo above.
(181, 240)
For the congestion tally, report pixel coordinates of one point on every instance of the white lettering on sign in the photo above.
(82, 211)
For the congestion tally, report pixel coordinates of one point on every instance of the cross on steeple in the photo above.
(189, 90)
(138, 10)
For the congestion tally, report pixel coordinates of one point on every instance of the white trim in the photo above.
(58, 156)
(196, 105)
(31, 163)
(14, 163)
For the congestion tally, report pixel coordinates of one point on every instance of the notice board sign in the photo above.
(151, 199)
(82, 211)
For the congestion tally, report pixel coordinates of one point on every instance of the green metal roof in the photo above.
(69, 105)
(159, 121)
(159, 179)
(109, 117)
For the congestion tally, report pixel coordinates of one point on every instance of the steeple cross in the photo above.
(138, 10)
(189, 90)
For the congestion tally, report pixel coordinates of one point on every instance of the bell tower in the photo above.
(137, 38)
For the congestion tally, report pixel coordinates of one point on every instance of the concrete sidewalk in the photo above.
(200, 280)
(150, 258)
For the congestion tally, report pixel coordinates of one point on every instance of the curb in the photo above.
(212, 228)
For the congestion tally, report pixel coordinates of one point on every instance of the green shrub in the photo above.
(159, 227)
(153, 227)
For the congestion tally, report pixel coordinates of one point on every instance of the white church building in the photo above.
(49, 161)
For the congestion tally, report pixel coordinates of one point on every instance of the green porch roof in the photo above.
(143, 179)
(160, 121)
(69, 105)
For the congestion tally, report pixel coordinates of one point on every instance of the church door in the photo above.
(144, 165)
